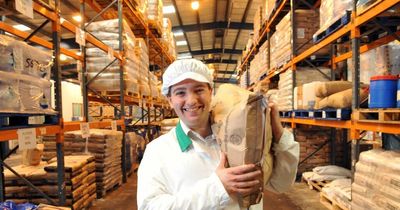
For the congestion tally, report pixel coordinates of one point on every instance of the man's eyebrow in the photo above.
(178, 89)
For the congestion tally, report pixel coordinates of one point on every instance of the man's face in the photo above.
(191, 101)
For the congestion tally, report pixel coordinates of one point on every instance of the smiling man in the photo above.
(184, 169)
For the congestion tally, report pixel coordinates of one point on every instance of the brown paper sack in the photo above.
(241, 122)
(32, 157)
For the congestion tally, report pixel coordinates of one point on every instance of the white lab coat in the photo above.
(171, 179)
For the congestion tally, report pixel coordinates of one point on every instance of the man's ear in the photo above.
(170, 101)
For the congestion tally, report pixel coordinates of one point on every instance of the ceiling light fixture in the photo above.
(195, 5)
(184, 56)
(21, 27)
(181, 43)
(178, 33)
(170, 9)
(77, 18)
(63, 57)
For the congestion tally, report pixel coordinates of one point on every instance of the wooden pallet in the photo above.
(330, 204)
(315, 185)
(102, 193)
(333, 27)
(118, 93)
(21, 120)
(390, 116)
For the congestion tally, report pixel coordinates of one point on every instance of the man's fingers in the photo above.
(243, 169)
(248, 176)
(223, 160)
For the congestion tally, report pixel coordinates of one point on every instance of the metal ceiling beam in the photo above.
(244, 17)
(223, 80)
(225, 61)
(30, 25)
(181, 24)
(199, 29)
(215, 20)
(228, 72)
(213, 25)
(213, 51)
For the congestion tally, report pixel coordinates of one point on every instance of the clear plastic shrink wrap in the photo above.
(19, 57)
(24, 94)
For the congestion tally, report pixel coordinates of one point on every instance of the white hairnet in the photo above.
(185, 69)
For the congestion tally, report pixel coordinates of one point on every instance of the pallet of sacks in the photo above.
(108, 82)
(104, 145)
(24, 78)
(282, 40)
(79, 180)
(376, 180)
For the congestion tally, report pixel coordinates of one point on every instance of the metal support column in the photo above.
(56, 71)
(355, 45)
(332, 146)
(294, 44)
(2, 180)
(122, 95)
(84, 84)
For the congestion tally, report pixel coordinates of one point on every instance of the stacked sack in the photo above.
(339, 190)
(25, 85)
(331, 11)
(335, 94)
(376, 180)
(155, 13)
(285, 91)
(168, 37)
(142, 53)
(168, 124)
(97, 59)
(104, 145)
(79, 180)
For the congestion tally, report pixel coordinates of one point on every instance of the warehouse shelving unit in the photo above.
(60, 127)
(351, 31)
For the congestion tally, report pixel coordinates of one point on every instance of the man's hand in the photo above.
(243, 180)
(276, 125)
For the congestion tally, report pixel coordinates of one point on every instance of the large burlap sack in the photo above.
(324, 89)
(341, 99)
(241, 123)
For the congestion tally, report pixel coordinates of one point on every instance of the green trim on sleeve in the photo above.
(183, 140)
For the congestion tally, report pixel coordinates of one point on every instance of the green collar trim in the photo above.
(183, 140)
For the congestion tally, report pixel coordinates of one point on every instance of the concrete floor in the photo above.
(300, 197)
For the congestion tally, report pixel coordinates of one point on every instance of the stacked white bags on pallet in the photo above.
(97, 59)
(285, 92)
(377, 180)
(25, 85)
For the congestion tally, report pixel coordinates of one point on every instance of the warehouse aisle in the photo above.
(300, 197)
(121, 199)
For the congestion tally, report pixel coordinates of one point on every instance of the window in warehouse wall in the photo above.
(77, 109)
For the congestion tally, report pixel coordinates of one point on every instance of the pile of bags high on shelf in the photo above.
(376, 180)
(97, 59)
(168, 37)
(79, 180)
(25, 85)
(104, 145)
(155, 13)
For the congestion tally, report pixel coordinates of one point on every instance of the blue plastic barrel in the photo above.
(383, 90)
(398, 92)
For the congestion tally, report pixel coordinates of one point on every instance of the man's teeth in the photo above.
(191, 109)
